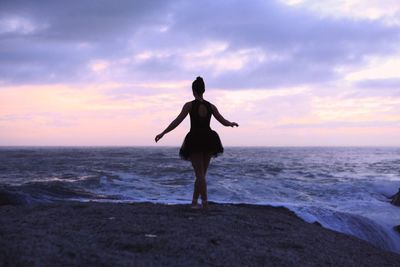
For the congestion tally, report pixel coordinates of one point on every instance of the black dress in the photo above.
(200, 138)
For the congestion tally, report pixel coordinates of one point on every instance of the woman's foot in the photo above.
(204, 204)
(194, 204)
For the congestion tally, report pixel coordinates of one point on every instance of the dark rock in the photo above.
(147, 234)
(397, 228)
(8, 196)
(317, 223)
(396, 199)
(213, 241)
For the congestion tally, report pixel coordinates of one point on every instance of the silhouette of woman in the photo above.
(201, 143)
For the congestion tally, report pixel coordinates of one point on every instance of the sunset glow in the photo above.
(291, 73)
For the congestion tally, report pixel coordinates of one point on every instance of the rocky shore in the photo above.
(147, 234)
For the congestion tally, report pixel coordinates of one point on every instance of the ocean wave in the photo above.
(45, 192)
(346, 184)
(381, 235)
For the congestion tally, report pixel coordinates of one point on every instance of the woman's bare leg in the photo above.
(197, 163)
(196, 192)
(206, 163)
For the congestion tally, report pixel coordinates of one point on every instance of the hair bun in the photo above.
(198, 85)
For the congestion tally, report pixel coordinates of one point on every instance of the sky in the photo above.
(116, 73)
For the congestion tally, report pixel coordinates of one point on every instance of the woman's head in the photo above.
(198, 86)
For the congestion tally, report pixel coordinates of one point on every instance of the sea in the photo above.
(346, 189)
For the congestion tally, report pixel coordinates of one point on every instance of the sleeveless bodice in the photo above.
(201, 138)
(198, 122)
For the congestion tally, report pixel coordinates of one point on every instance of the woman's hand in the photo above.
(159, 136)
(234, 124)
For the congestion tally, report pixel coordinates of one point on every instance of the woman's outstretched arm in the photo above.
(221, 119)
(176, 122)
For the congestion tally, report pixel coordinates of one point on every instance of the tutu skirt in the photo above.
(201, 140)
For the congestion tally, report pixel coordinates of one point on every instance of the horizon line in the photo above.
(227, 146)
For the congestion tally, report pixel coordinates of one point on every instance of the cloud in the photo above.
(64, 37)
(342, 124)
(298, 46)
(85, 20)
(389, 83)
(257, 44)
(370, 9)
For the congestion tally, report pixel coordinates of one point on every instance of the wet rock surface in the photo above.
(396, 199)
(147, 234)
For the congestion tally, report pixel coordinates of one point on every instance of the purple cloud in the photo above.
(388, 83)
(55, 42)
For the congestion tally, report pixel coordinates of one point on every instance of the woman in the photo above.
(201, 143)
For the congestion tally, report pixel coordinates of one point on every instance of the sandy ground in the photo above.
(146, 234)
